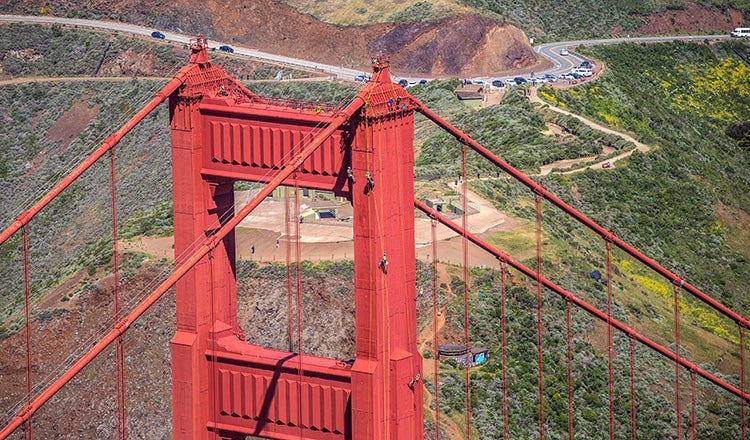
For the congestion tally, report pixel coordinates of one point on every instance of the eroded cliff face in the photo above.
(467, 45)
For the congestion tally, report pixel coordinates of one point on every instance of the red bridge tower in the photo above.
(222, 385)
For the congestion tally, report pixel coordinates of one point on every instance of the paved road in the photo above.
(548, 50)
(565, 63)
(338, 71)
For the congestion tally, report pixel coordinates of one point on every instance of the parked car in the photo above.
(520, 80)
(582, 71)
(585, 64)
(361, 78)
(566, 76)
(510, 82)
(606, 165)
(564, 52)
(422, 82)
(157, 34)
(537, 81)
(227, 49)
(498, 83)
(550, 77)
(403, 83)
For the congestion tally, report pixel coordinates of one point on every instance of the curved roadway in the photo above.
(548, 50)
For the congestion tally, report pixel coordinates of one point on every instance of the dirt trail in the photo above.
(425, 341)
(546, 169)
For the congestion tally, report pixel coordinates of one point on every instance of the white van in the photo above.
(740, 33)
(582, 71)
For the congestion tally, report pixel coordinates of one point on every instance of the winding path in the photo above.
(546, 169)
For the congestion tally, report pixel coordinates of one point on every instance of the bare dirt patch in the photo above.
(464, 45)
(693, 19)
(72, 122)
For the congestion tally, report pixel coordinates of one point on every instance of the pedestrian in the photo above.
(252, 249)
(277, 243)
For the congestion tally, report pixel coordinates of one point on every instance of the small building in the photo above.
(471, 95)
(462, 354)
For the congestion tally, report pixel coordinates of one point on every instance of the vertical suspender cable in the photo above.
(633, 429)
(677, 409)
(539, 317)
(28, 429)
(465, 246)
(122, 430)
(569, 346)
(298, 288)
(287, 228)
(503, 328)
(214, 370)
(693, 417)
(436, 335)
(610, 347)
(743, 432)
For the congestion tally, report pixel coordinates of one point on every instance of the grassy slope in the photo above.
(672, 203)
(721, 179)
(544, 19)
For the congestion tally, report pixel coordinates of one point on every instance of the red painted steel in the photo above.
(743, 429)
(230, 135)
(607, 235)
(184, 265)
(465, 270)
(693, 415)
(569, 350)
(677, 409)
(504, 330)
(225, 387)
(539, 319)
(384, 404)
(120, 383)
(630, 332)
(610, 347)
(435, 331)
(28, 428)
(288, 231)
(633, 430)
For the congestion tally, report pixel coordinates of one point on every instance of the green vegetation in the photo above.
(681, 98)
(654, 396)
(37, 50)
(685, 99)
(512, 130)
(72, 232)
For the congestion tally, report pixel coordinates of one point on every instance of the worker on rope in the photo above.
(383, 264)
(350, 175)
(370, 182)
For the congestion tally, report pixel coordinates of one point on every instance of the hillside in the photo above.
(685, 203)
(462, 45)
